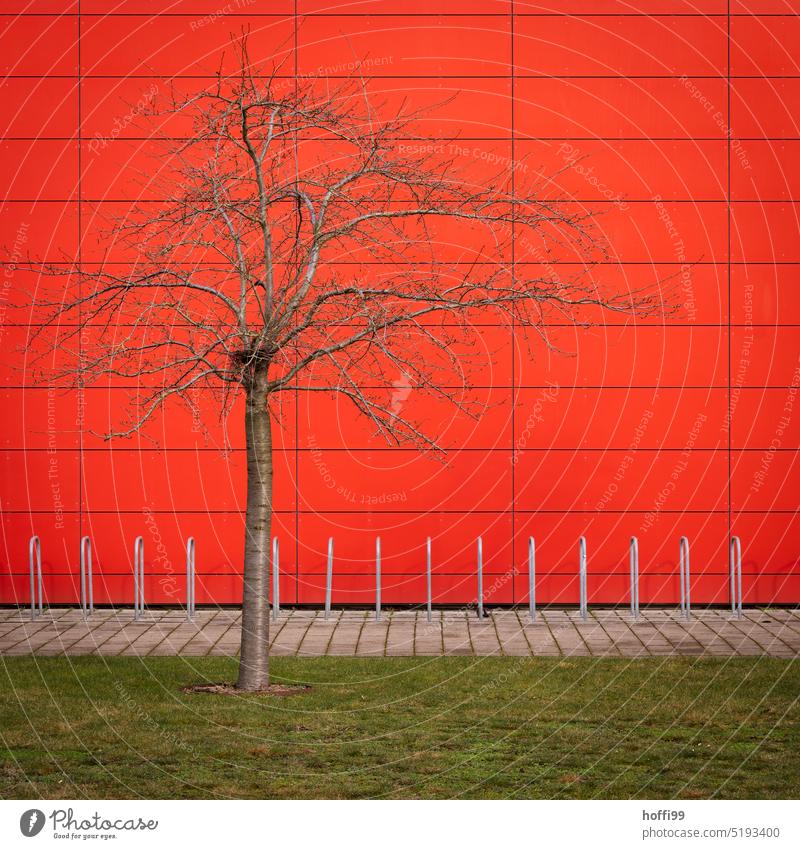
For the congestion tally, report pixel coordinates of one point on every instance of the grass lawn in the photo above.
(436, 727)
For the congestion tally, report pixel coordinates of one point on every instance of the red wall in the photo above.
(688, 426)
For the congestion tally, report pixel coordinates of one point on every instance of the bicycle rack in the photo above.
(532, 579)
(329, 579)
(87, 578)
(190, 578)
(138, 578)
(685, 574)
(582, 577)
(480, 577)
(428, 575)
(35, 547)
(87, 591)
(276, 588)
(736, 576)
(634, 562)
(378, 579)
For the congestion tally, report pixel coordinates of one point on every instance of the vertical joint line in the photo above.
(513, 321)
(728, 252)
(296, 405)
(79, 136)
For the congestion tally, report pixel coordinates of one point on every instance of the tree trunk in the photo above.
(254, 660)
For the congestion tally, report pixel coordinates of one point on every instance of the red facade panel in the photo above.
(675, 121)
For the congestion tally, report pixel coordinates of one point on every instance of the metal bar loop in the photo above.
(190, 578)
(685, 576)
(329, 579)
(35, 549)
(634, 563)
(736, 576)
(138, 577)
(430, 600)
(480, 577)
(378, 579)
(582, 577)
(276, 573)
(87, 592)
(532, 579)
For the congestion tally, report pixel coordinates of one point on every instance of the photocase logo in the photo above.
(31, 822)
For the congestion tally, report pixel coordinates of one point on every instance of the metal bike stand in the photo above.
(138, 578)
(480, 577)
(428, 576)
(276, 586)
(736, 576)
(378, 579)
(634, 564)
(329, 579)
(87, 589)
(582, 577)
(532, 579)
(35, 552)
(685, 575)
(190, 583)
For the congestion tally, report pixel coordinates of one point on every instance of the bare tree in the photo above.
(304, 241)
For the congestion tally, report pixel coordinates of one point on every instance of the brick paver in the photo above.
(306, 633)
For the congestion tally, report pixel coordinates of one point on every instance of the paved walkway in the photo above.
(306, 633)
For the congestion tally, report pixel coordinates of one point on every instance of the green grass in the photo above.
(440, 727)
